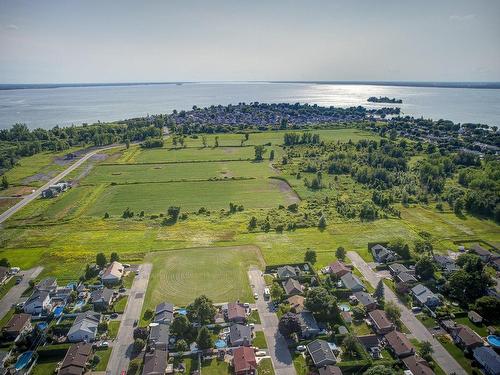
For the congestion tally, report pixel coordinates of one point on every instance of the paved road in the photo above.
(16, 291)
(278, 347)
(123, 344)
(417, 329)
(28, 198)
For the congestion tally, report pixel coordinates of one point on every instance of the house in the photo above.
(446, 264)
(338, 268)
(159, 335)
(448, 325)
(296, 303)
(424, 296)
(48, 284)
(292, 287)
(76, 359)
(240, 335)
(17, 325)
(320, 353)
(351, 282)
(404, 281)
(397, 268)
(369, 341)
(330, 370)
(4, 274)
(383, 255)
(484, 254)
(244, 361)
(496, 263)
(368, 302)
(113, 273)
(381, 324)
(399, 344)
(417, 365)
(37, 303)
(164, 313)
(61, 294)
(309, 326)
(287, 272)
(155, 363)
(466, 338)
(84, 327)
(474, 317)
(236, 312)
(488, 359)
(101, 299)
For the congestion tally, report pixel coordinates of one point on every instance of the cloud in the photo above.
(464, 18)
(12, 27)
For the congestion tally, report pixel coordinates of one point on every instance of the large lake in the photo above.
(74, 105)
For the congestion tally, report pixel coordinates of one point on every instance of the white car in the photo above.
(260, 354)
(246, 304)
(301, 348)
(104, 344)
(256, 295)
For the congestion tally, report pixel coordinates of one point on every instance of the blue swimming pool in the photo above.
(220, 344)
(79, 304)
(42, 325)
(58, 311)
(344, 307)
(494, 341)
(23, 360)
(182, 311)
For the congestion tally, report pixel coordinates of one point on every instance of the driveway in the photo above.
(123, 344)
(14, 294)
(417, 329)
(277, 344)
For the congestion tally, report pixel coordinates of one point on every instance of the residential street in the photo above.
(16, 291)
(122, 345)
(278, 347)
(417, 329)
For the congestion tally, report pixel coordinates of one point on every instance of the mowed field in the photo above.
(159, 155)
(220, 273)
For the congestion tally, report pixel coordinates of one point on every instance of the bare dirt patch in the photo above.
(289, 193)
(39, 177)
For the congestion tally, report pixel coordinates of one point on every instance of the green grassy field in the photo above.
(190, 196)
(158, 155)
(179, 276)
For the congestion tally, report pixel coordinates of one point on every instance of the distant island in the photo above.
(384, 99)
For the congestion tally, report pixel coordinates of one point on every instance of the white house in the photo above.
(112, 274)
(37, 303)
(85, 327)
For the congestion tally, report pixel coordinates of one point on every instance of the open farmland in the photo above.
(191, 196)
(158, 155)
(220, 273)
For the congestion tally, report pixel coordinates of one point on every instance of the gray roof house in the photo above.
(49, 284)
(488, 359)
(484, 254)
(155, 363)
(397, 268)
(368, 302)
(159, 335)
(286, 272)
(447, 264)
(351, 282)
(240, 335)
(292, 287)
(84, 327)
(164, 312)
(383, 255)
(405, 278)
(424, 296)
(101, 298)
(320, 353)
(37, 303)
(309, 326)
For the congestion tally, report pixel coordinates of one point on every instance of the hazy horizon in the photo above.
(195, 41)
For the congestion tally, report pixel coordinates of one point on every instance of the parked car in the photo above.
(126, 265)
(122, 290)
(256, 295)
(114, 316)
(260, 353)
(301, 348)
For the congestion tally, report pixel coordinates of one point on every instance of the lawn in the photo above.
(155, 198)
(128, 280)
(215, 367)
(299, 362)
(259, 340)
(360, 328)
(44, 368)
(481, 330)
(427, 321)
(103, 359)
(5, 319)
(179, 276)
(265, 367)
(119, 306)
(6, 203)
(113, 327)
(160, 155)
(5, 287)
(456, 353)
(254, 317)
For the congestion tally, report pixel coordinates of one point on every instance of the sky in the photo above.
(69, 41)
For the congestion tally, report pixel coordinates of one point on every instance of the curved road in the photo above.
(28, 198)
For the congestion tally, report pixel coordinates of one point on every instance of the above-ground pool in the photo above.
(23, 360)
(219, 344)
(79, 304)
(42, 325)
(344, 307)
(494, 341)
(182, 311)
(58, 311)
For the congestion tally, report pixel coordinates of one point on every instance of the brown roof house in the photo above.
(155, 363)
(75, 361)
(113, 274)
(381, 324)
(244, 361)
(399, 344)
(292, 287)
(18, 324)
(474, 317)
(296, 303)
(466, 338)
(365, 299)
(417, 365)
(330, 370)
(338, 268)
(236, 312)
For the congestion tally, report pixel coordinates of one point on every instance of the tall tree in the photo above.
(379, 292)
(100, 260)
(289, 324)
(320, 302)
(204, 339)
(5, 182)
(201, 311)
(310, 256)
(114, 257)
(259, 152)
(340, 253)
